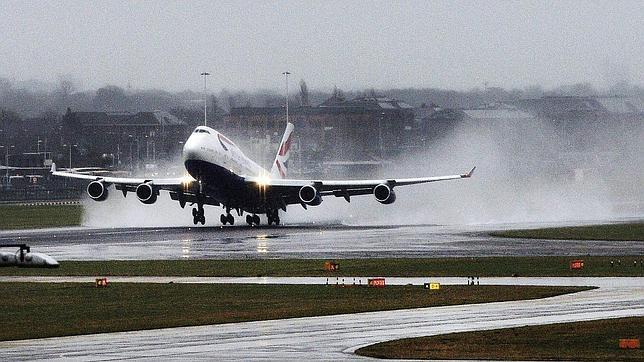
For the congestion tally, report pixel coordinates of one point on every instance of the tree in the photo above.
(111, 98)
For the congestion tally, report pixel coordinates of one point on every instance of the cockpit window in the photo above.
(201, 131)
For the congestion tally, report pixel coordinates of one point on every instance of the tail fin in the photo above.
(280, 165)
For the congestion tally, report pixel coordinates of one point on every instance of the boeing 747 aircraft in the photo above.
(221, 175)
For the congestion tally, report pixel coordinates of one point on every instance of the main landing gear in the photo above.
(273, 217)
(198, 215)
(227, 219)
(252, 219)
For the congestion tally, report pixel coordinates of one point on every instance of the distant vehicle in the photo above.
(24, 258)
(220, 174)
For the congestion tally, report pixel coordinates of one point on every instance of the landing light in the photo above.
(263, 180)
(186, 180)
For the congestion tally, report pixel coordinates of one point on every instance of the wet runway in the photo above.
(301, 241)
(337, 337)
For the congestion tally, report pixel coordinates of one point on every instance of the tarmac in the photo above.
(301, 241)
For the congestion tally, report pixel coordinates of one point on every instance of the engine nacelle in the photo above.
(384, 194)
(146, 193)
(310, 195)
(97, 190)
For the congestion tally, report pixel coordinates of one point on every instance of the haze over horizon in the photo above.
(246, 45)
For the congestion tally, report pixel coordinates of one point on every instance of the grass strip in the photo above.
(35, 310)
(581, 341)
(404, 267)
(39, 216)
(611, 232)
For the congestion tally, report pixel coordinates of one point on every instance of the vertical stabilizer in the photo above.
(280, 165)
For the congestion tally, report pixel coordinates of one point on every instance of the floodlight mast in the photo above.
(205, 103)
(286, 74)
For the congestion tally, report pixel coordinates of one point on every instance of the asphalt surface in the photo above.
(337, 337)
(301, 241)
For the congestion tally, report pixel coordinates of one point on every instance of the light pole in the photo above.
(205, 103)
(286, 76)
(69, 147)
(6, 161)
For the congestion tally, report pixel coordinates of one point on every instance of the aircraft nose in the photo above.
(191, 149)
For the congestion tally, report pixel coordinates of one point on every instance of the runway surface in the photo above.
(337, 337)
(301, 241)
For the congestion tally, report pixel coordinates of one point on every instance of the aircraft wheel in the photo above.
(195, 220)
(256, 219)
(223, 219)
(277, 220)
(203, 219)
(230, 219)
(249, 220)
(194, 212)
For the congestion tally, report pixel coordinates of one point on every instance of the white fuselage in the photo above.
(205, 145)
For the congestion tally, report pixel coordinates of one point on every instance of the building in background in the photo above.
(336, 137)
(122, 140)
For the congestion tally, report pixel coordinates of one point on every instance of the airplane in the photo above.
(220, 174)
(24, 258)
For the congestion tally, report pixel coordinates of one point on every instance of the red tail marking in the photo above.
(285, 146)
(279, 168)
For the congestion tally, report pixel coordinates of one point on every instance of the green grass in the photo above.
(612, 232)
(35, 310)
(482, 267)
(41, 216)
(582, 341)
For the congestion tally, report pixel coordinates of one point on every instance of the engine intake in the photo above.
(146, 193)
(310, 195)
(97, 191)
(384, 194)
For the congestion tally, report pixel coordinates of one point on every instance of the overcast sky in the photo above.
(246, 45)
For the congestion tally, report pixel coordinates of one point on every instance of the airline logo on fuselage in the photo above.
(224, 141)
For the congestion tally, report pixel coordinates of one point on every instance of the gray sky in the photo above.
(246, 45)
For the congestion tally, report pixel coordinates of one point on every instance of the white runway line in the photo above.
(336, 337)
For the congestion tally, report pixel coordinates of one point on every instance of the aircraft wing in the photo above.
(168, 182)
(181, 189)
(289, 188)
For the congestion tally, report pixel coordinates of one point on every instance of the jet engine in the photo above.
(146, 193)
(384, 194)
(310, 195)
(97, 190)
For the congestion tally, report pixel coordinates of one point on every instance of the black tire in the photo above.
(277, 220)
(195, 220)
(231, 219)
(256, 219)
(194, 212)
(249, 220)
(203, 220)
(223, 219)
